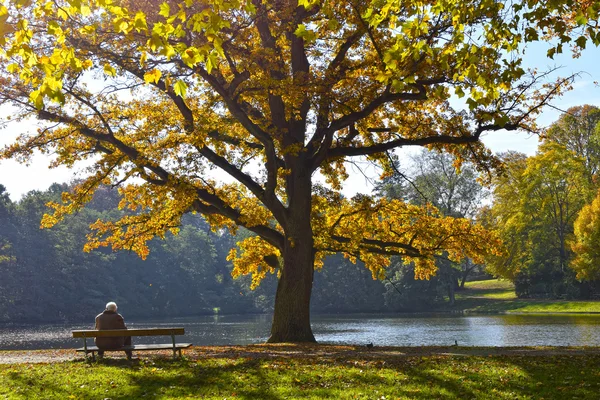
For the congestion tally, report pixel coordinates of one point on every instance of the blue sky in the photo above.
(19, 179)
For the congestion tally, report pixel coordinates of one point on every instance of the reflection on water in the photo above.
(382, 330)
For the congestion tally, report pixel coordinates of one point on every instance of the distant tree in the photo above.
(432, 178)
(578, 130)
(535, 206)
(404, 292)
(7, 229)
(270, 93)
(586, 244)
(341, 286)
(435, 179)
(7, 255)
(503, 216)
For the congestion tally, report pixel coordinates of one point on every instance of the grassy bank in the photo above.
(348, 374)
(495, 296)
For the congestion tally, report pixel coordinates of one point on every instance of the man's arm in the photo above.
(121, 322)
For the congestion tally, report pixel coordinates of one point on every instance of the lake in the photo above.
(382, 330)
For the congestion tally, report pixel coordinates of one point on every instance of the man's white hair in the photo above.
(111, 306)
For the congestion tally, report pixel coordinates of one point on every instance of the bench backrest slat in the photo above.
(128, 332)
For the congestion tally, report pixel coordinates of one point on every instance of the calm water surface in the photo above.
(382, 330)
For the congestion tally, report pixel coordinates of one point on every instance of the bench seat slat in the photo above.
(140, 347)
(128, 332)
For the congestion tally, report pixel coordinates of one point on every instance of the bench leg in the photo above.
(179, 353)
(85, 350)
(174, 348)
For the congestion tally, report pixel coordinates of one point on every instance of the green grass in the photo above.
(492, 289)
(439, 377)
(497, 296)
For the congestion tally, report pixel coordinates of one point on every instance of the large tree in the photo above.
(158, 96)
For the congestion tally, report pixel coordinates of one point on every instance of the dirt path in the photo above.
(305, 351)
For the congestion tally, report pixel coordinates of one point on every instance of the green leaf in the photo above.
(531, 34)
(502, 120)
(472, 104)
(581, 19)
(180, 88)
(581, 40)
(306, 34)
(300, 30)
(211, 62)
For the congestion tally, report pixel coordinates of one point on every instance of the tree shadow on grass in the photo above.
(323, 377)
(22, 384)
(448, 377)
(242, 379)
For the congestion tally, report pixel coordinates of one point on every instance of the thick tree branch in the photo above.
(300, 73)
(332, 75)
(236, 110)
(381, 247)
(272, 202)
(276, 103)
(216, 135)
(215, 203)
(438, 139)
(218, 207)
(349, 119)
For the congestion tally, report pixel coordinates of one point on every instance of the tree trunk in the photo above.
(451, 298)
(467, 267)
(291, 317)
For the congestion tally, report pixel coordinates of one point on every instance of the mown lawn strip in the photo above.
(336, 377)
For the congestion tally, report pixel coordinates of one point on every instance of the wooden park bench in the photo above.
(176, 347)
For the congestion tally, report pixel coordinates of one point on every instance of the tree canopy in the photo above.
(542, 213)
(160, 94)
(585, 244)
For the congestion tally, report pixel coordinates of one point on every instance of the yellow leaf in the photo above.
(152, 76)
(165, 10)
(109, 70)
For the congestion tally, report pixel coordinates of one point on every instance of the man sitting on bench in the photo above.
(110, 319)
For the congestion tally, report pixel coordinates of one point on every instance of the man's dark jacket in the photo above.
(109, 320)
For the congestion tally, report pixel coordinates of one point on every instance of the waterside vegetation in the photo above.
(498, 296)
